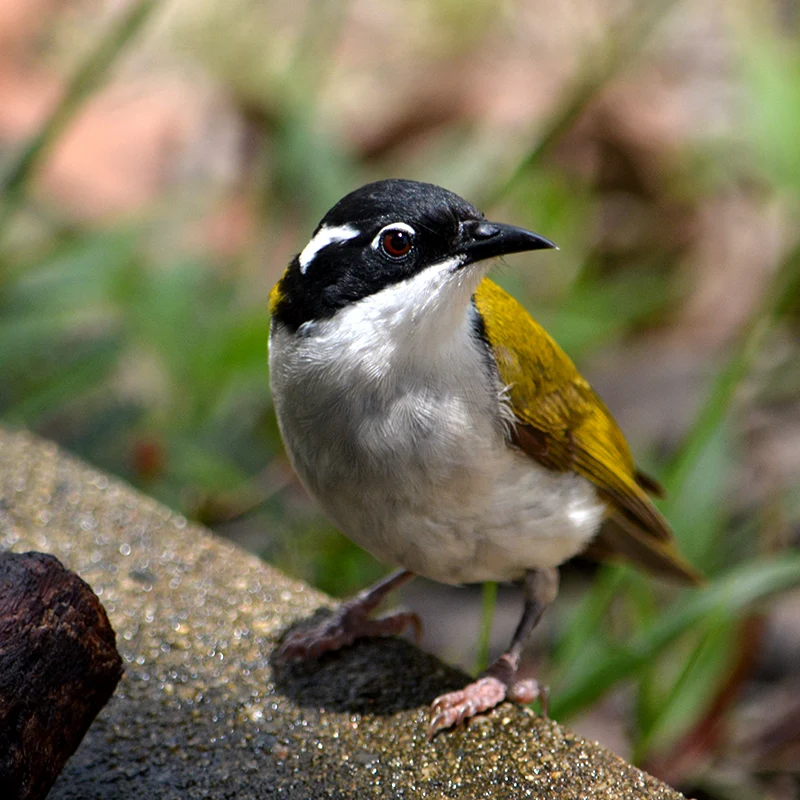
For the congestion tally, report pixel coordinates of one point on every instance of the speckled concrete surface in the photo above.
(201, 713)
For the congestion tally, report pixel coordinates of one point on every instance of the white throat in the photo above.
(416, 320)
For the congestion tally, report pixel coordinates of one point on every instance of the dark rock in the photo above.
(58, 667)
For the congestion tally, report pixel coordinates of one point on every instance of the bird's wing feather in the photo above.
(564, 425)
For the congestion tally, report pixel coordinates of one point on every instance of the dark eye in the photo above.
(396, 242)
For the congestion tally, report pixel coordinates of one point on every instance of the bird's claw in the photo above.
(347, 624)
(483, 695)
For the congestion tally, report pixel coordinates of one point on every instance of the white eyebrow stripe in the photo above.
(322, 238)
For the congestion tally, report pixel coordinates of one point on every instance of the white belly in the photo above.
(493, 519)
(413, 464)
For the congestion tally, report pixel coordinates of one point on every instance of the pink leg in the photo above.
(499, 682)
(351, 621)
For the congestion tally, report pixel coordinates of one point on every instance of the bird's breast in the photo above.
(409, 457)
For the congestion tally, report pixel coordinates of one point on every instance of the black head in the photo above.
(382, 234)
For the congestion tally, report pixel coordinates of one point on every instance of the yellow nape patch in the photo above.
(275, 297)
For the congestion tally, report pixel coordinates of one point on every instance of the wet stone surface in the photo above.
(200, 711)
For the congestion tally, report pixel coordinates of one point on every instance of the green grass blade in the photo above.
(692, 690)
(488, 602)
(728, 597)
(80, 375)
(783, 287)
(587, 621)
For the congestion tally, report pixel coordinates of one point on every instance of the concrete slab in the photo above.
(201, 713)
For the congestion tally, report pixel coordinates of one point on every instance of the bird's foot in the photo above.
(351, 621)
(348, 623)
(499, 682)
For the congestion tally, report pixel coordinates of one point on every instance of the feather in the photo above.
(562, 424)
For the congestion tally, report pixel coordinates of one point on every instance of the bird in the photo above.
(441, 428)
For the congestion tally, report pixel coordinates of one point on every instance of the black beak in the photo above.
(480, 240)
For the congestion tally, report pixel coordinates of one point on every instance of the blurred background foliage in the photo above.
(160, 163)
